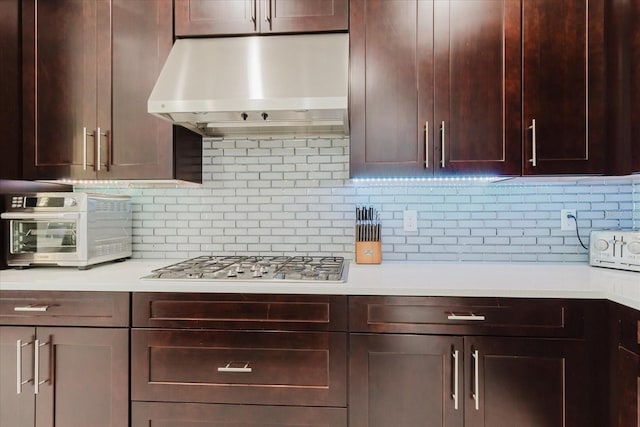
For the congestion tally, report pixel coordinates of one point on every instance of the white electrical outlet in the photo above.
(567, 223)
(410, 220)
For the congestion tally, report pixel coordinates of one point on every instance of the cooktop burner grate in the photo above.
(254, 267)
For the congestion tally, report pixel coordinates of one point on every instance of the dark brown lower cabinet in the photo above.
(526, 382)
(626, 366)
(154, 414)
(253, 367)
(71, 377)
(404, 380)
(427, 380)
(628, 388)
(238, 360)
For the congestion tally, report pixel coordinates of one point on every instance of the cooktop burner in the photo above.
(243, 268)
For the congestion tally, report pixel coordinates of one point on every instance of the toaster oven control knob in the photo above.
(634, 247)
(601, 245)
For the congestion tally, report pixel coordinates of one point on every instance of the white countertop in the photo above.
(544, 280)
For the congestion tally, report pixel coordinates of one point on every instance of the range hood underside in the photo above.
(307, 122)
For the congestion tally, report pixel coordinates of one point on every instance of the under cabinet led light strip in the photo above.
(451, 179)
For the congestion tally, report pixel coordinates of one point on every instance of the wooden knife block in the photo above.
(368, 252)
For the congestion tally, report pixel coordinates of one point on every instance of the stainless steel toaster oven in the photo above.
(67, 229)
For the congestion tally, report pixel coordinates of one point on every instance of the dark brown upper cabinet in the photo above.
(226, 17)
(563, 87)
(623, 86)
(10, 129)
(435, 87)
(634, 54)
(88, 69)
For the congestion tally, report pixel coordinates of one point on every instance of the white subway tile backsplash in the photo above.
(289, 195)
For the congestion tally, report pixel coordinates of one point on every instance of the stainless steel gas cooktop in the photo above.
(251, 268)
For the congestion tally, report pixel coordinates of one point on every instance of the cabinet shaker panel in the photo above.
(164, 414)
(64, 60)
(85, 375)
(477, 87)
(18, 409)
(391, 55)
(563, 86)
(405, 380)
(10, 93)
(526, 382)
(209, 366)
(228, 17)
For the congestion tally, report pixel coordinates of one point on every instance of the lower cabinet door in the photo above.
(17, 399)
(254, 367)
(629, 392)
(83, 376)
(154, 414)
(405, 381)
(526, 383)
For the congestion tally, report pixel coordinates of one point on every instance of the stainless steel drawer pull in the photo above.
(228, 368)
(37, 308)
(19, 381)
(472, 317)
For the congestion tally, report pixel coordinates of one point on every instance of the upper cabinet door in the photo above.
(215, 17)
(227, 17)
(302, 16)
(476, 127)
(61, 53)
(563, 86)
(140, 145)
(10, 91)
(635, 85)
(391, 101)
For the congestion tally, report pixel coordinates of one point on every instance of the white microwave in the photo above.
(67, 229)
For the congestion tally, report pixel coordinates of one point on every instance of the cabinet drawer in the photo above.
(153, 414)
(467, 316)
(240, 311)
(64, 308)
(629, 328)
(210, 366)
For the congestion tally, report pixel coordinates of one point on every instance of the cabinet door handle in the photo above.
(471, 317)
(426, 145)
(228, 368)
(253, 15)
(19, 381)
(100, 134)
(534, 158)
(84, 147)
(454, 395)
(442, 155)
(269, 16)
(31, 308)
(36, 365)
(476, 383)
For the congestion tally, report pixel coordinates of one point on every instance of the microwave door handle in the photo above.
(39, 215)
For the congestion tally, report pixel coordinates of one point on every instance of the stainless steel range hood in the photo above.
(254, 85)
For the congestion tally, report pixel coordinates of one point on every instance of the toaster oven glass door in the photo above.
(43, 236)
